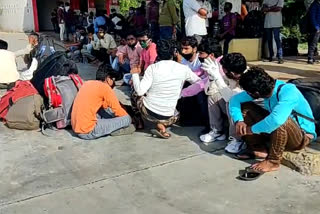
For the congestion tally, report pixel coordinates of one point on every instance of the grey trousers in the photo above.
(106, 124)
(218, 114)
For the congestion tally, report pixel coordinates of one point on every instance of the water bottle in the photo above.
(216, 29)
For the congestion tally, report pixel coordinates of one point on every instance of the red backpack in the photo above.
(61, 92)
(21, 90)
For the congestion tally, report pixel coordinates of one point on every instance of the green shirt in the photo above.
(168, 14)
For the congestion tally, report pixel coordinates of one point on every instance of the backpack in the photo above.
(310, 89)
(20, 107)
(61, 92)
(56, 64)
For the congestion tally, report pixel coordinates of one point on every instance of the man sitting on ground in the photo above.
(278, 122)
(96, 110)
(220, 90)
(8, 70)
(102, 43)
(149, 53)
(156, 95)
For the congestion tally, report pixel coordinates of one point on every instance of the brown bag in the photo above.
(25, 114)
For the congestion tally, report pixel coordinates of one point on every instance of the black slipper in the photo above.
(250, 174)
(246, 152)
(155, 132)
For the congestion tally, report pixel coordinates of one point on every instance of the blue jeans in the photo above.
(270, 32)
(106, 124)
(154, 29)
(166, 32)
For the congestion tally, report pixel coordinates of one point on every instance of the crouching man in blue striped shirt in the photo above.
(285, 121)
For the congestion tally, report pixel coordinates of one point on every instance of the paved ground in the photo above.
(139, 174)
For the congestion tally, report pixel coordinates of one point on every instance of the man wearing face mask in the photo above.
(96, 111)
(132, 51)
(149, 53)
(189, 47)
(102, 44)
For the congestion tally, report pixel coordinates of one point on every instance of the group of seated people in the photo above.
(246, 104)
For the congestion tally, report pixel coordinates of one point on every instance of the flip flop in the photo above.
(250, 174)
(246, 152)
(155, 132)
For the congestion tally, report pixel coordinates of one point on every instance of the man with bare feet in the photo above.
(286, 120)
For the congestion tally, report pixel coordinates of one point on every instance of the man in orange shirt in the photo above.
(97, 111)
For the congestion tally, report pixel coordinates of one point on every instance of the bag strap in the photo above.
(76, 80)
(294, 113)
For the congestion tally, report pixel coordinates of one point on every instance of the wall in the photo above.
(45, 7)
(16, 16)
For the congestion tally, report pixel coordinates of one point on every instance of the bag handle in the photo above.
(295, 114)
(77, 80)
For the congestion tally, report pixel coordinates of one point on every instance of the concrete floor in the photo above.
(138, 174)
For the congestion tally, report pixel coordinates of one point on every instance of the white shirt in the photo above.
(8, 67)
(206, 5)
(195, 25)
(273, 19)
(162, 83)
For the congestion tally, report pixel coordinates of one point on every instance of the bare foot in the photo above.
(260, 154)
(266, 166)
(162, 129)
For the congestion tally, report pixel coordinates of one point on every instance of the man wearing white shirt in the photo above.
(195, 18)
(157, 94)
(8, 69)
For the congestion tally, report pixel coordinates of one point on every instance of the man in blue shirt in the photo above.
(276, 122)
(314, 36)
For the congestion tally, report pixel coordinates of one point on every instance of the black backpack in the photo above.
(54, 65)
(310, 88)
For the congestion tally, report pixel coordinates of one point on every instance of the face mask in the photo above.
(144, 44)
(201, 59)
(187, 56)
(131, 11)
(67, 8)
(101, 34)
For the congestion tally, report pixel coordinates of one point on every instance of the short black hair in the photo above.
(35, 35)
(102, 27)
(234, 62)
(60, 3)
(166, 49)
(257, 80)
(228, 5)
(143, 33)
(113, 10)
(104, 71)
(211, 46)
(3, 45)
(131, 33)
(67, 4)
(190, 41)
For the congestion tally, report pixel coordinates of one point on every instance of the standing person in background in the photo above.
(229, 22)
(140, 22)
(99, 21)
(195, 17)
(130, 18)
(61, 20)
(314, 35)
(307, 3)
(272, 25)
(168, 19)
(54, 21)
(153, 19)
(70, 21)
(207, 6)
(143, 8)
(244, 11)
(90, 20)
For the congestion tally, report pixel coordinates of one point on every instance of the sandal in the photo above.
(164, 135)
(250, 174)
(248, 153)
